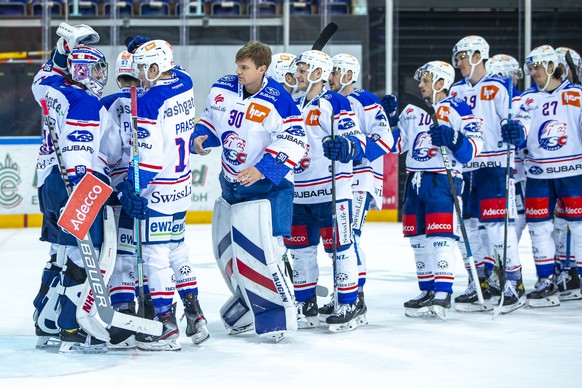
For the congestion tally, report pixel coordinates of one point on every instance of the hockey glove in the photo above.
(513, 132)
(73, 36)
(341, 149)
(445, 136)
(390, 104)
(133, 205)
(136, 42)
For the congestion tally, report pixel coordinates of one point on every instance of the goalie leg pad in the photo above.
(237, 316)
(261, 280)
(222, 242)
(46, 301)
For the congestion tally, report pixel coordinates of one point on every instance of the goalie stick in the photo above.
(325, 36)
(91, 260)
(425, 106)
(138, 237)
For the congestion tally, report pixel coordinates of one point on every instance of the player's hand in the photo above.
(196, 146)
(341, 148)
(390, 104)
(133, 44)
(513, 132)
(249, 176)
(445, 136)
(133, 205)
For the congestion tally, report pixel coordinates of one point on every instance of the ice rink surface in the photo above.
(526, 348)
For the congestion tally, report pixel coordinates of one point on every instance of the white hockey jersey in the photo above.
(313, 174)
(554, 140)
(267, 122)
(489, 101)
(421, 154)
(369, 175)
(166, 119)
(116, 143)
(78, 119)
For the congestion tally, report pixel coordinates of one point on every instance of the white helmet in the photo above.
(439, 70)
(561, 53)
(543, 55)
(345, 63)
(316, 59)
(495, 66)
(88, 66)
(281, 65)
(159, 52)
(471, 44)
(126, 66)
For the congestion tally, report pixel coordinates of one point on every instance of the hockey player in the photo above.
(282, 70)
(484, 200)
(165, 124)
(552, 164)
(119, 146)
(262, 137)
(568, 278)
(428, 213)
(72, 82)
(368, 171)
(334, 134)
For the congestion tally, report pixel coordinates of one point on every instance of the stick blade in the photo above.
(325, 36)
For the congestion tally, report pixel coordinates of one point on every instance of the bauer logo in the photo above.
(80, 136)
(84, 205)
(9, 182)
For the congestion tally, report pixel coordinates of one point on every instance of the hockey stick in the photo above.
(138, 239)
(572, 67)
(428, 108)
(333, 226)
(502, 275)
(91, 259)
(325, 36)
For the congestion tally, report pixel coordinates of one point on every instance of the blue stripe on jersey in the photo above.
(373, 150)
(270, 169)
(107, 101)
(228, 82)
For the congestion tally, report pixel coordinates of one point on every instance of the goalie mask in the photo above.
(88, 67)
(157, 52)
(281, 65)
(439, 70)
(345, 63)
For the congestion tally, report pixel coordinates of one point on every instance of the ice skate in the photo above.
(326, 310)
(46, 340)
(514, 296)
(361, 309)
(167, 341)
(343, 319)
(195, 321)
(441, 304)
(569, 285)
(468, 301)
(120, 339)
(307, 314)
(77, 341)
(546, 294)
(419, 306)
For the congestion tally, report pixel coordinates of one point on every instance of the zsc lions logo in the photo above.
(552, 135)
(80, 136)
(423, 150)
(304, 162)
(233, 147)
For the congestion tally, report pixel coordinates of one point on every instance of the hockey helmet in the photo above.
(561, 53)
(281, 65)
(439, 70)
(543, 55)
(316, 59)
(471, 44)
(159, 52)
(87, 66)
(126, 66)
(345, 63)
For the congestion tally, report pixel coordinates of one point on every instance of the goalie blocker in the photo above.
(249, 259)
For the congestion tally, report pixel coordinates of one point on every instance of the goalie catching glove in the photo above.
(341, 149)
(134, 205)
(73, 36)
